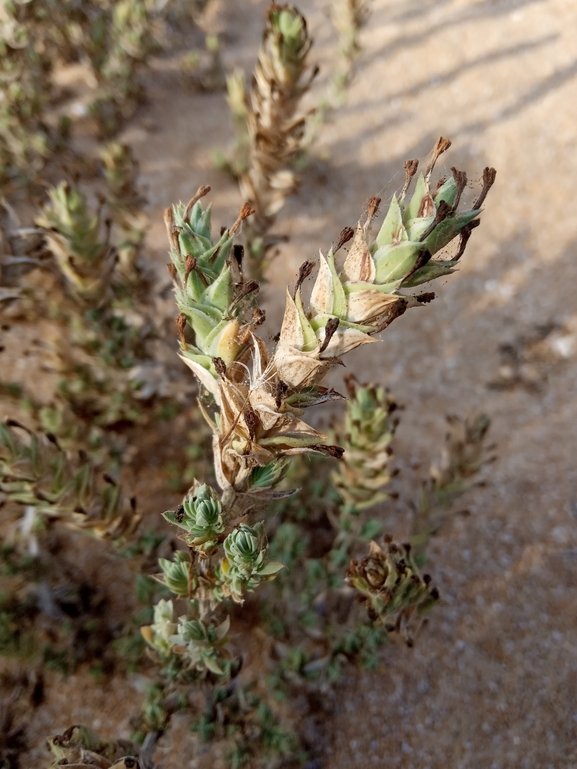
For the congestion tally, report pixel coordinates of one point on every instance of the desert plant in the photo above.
(257, 401)
(363, 473)
(121, 41)
(74, 236)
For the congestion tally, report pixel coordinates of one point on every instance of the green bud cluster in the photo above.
(201, 643)
(204, 284)
(287, 42)
(176, 574)
(411, 235)
(363, 474)
(196, 642)
(246, 562)
(200, 516)
(159, 634)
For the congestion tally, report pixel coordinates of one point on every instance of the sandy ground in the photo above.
(492, 682)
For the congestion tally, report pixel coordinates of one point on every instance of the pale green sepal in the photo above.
(339, 297)
(295, 442)
(221, 342)
(429, 272)
(224, 246)
(320, 321)
(396, 262)
(416, 227)
(384, 288)
(268, 476)
(203, 322)
(200, 219)
(444, 232)
(170, 516)
(195, 287)
(192, 243)
(309, 336)
(447, 192)
(392, 229)
(213, 666)
(412, 210)
(220, 292)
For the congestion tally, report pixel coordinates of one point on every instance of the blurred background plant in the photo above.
(270, 125)
(111, 39)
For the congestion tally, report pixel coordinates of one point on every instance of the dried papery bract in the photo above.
(274, 126)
